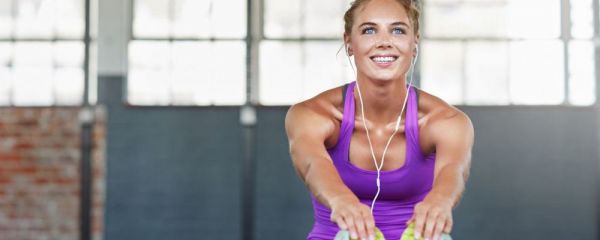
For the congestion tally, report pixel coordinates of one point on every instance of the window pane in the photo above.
(5, 53)
(32, 86)
(442, 20)
(151, 18)
(229, 18)
(187, 73)
(494, 18)
(35, 18)
(309, 69)
(70, 21)
(5, 73)
(304, 18)
(191, 18)
(149, 54)
(280, 81)
(229, 71)
(324, 18)
(282, 18)
(148, 87)
(537, 72)
(69, 54)
(325, 68)
(6, 23)
(442, 70)
(5, 85)
(33, 54)
(148, 82)
(487, 73)
(582, 19)
(582, 87)
(209, 73)
(68, 86)
(191, 73)
(33, 73)
(545, 24)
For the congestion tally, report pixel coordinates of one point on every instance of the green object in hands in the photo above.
(409, 234)
(345, 235)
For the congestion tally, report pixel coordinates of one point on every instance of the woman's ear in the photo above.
(416, 51)
(347, 45)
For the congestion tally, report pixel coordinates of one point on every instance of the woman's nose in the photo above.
(384, 41)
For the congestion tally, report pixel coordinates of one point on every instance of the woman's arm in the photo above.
(307, 130)
(453, 136)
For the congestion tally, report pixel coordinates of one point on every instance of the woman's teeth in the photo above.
(384, 59)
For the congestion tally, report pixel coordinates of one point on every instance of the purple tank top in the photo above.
(401, 189)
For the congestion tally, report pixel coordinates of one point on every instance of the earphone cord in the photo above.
(377, 166)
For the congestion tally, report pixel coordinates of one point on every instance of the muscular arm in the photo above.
(307, 129)
(453, 137)
(308, 126)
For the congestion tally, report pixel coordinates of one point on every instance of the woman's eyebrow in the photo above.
(367, 23)
(400, 23)
(392, 24)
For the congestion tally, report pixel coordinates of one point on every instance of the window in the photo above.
(300, 55)
(509, 52)
(473, 52)
(41, 52)
(188, 52)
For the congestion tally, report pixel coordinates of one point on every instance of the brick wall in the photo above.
(39, 173)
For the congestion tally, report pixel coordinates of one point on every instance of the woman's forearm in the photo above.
(450, 184)
(325, 184)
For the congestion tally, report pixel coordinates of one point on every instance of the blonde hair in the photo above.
(411, 6)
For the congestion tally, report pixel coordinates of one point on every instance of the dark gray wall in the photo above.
(174, 173)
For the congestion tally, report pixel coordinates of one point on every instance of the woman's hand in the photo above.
(354, 216)
(432, 216)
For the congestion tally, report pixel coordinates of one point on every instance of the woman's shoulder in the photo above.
(431, 105)
(435, 113)
(323, 111)
(328, 103)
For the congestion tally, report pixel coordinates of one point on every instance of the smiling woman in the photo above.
(352, 187)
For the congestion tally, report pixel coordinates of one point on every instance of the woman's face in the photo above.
(382, 40)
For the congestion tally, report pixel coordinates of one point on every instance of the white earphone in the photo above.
(379, 167)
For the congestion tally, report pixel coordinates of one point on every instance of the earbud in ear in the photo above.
(416, 49)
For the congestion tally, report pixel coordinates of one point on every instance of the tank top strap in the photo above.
(412, 120)
(339, 151)
(348, 118)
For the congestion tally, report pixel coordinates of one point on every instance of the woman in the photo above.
(401, 156)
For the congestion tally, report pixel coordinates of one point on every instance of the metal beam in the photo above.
(87, 121)
(596, 40)
(248, 116)
(565, 35)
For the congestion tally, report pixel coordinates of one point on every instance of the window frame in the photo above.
(170, 39)
(87, 41)
(255, 34)
(564, 37)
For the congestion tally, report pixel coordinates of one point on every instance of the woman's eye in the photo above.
(398, 31)
(368, 31)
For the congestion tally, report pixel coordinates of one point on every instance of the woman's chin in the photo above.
(384, 77)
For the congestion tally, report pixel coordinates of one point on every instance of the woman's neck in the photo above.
(383, 100)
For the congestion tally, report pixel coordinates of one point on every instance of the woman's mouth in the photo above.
(384, 60)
